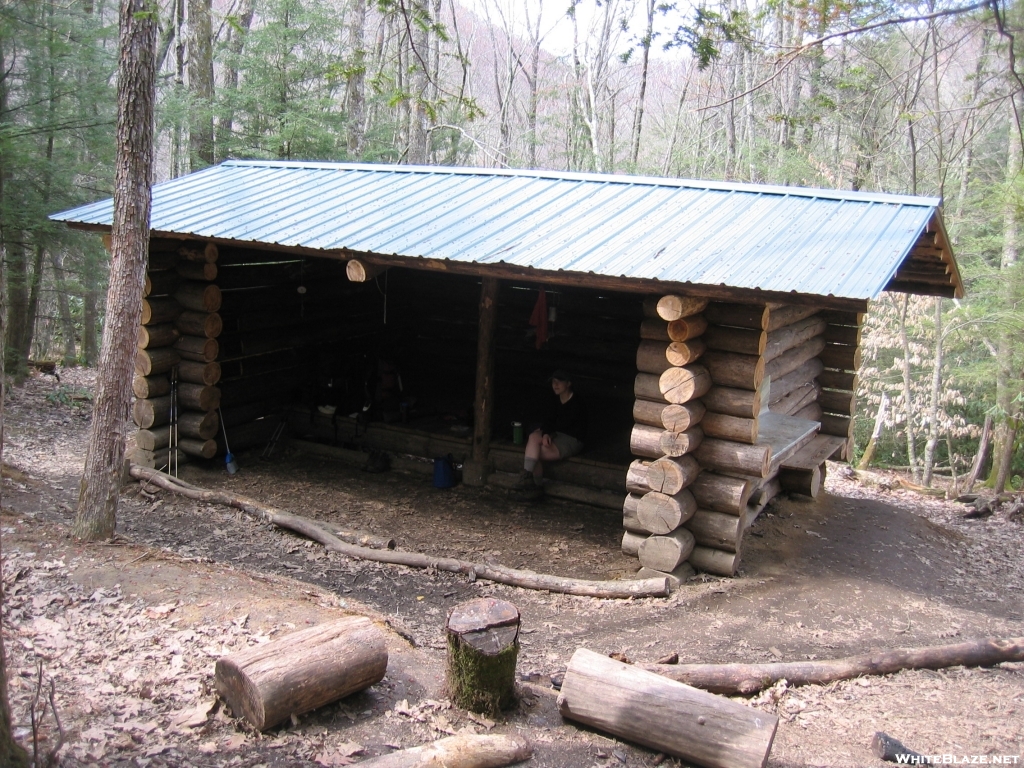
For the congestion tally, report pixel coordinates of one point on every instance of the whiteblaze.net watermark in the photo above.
(950, 759)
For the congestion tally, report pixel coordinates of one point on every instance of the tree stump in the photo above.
(483, 646)
(299, 672)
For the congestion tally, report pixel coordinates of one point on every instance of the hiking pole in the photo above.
(229, 459)
(172, 454)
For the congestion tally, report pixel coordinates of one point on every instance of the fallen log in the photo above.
(302, 671)
(678, 720)
(466, 750)
(893, 750)
(751, 678)
(497, 573)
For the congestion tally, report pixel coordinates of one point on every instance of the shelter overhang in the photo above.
(733, 242)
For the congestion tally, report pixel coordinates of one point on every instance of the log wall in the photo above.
(175, 370)
(672, 375)
(808, 356)
(840, 361)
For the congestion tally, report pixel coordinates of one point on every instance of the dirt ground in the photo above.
(128, 632)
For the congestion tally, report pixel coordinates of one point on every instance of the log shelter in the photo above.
(713, 328)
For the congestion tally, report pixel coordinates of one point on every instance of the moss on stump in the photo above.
(483, 647)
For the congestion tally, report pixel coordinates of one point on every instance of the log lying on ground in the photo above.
(496, 573)
(674, 417)
(673, 307)
(893, 750)
(637, 705)
(466, 750)
(302, 671)
(751, 678)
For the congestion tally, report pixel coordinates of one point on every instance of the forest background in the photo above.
(922, 98)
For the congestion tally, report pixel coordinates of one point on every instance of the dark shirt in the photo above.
(569, 418)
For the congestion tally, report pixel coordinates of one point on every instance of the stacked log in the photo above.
(667, 415)
(731, 460)
(795, 342)
(177, 342)
(840, 360)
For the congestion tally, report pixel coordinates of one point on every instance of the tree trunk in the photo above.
(101, 480)
(933, 404)
(979, 458)
(11, 752)
(876, 432)
(200, 84)
(354, 90)
(908, 399)
(638, 115)
(67, 325)
(1005, 343)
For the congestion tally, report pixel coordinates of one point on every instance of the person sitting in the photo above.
(560, 435)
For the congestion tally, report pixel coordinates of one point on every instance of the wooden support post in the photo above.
(475, 471)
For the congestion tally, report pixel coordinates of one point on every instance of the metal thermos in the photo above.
(517, 432)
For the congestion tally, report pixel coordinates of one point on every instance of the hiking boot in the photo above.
(525, 481)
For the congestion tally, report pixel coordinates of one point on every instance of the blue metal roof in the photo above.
(741, 236)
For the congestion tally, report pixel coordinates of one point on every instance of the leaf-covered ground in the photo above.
(128, 632)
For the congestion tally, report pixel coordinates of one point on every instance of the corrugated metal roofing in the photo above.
(742, 236)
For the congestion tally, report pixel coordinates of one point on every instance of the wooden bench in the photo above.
(801, 471)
